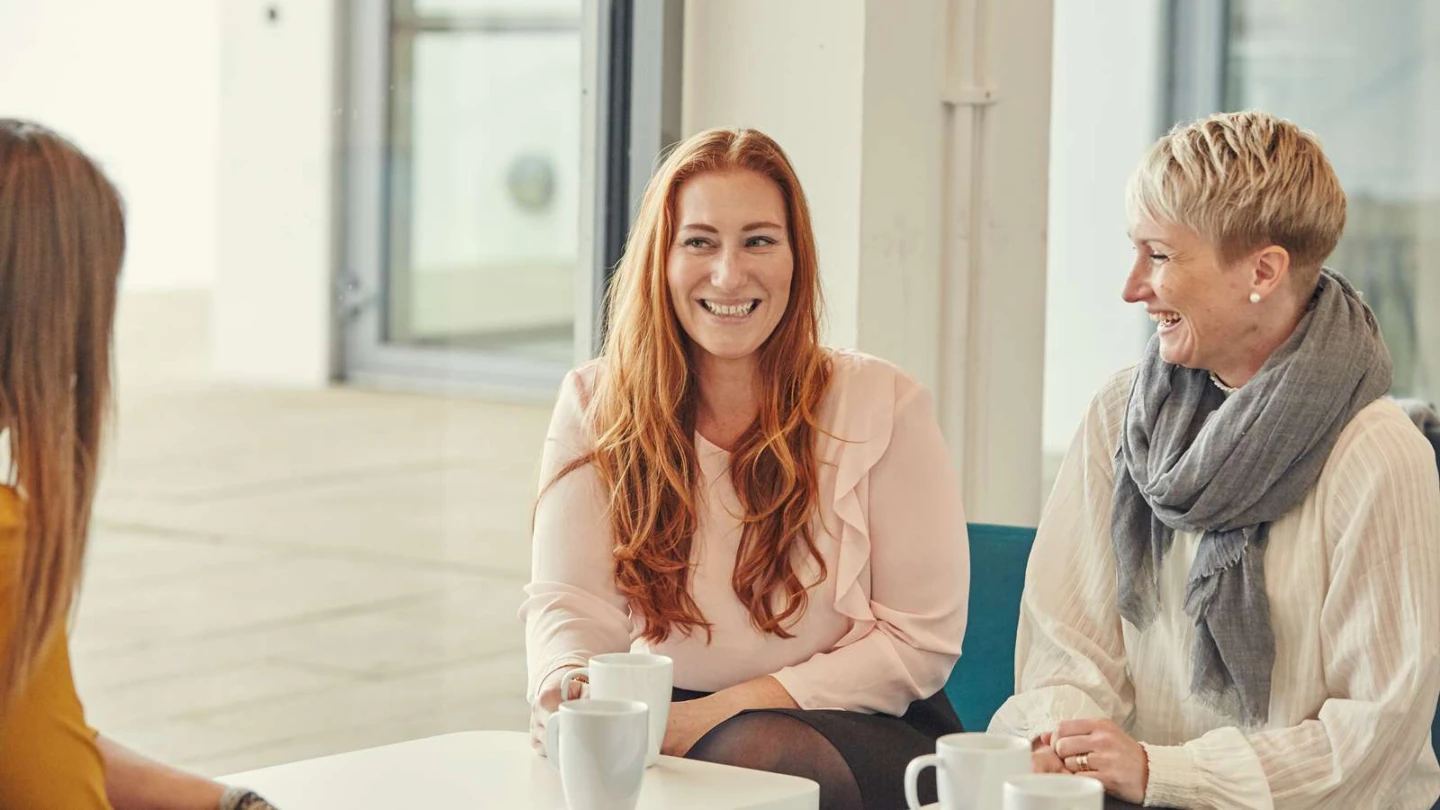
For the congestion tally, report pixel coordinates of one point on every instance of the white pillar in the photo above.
(998, 83)
(279, 132)
(902, 186)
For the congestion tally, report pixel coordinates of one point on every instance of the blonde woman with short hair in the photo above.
(1234, 596)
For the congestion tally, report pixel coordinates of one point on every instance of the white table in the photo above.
(498, 769)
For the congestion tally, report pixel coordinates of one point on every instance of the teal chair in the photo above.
(1435, 726)
(985, 676)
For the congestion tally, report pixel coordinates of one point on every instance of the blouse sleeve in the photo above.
(1070, 659)
(572, 608)
(919, 569)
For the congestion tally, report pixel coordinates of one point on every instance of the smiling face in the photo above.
(1222, 209)
(1200, 307)
(730, 263)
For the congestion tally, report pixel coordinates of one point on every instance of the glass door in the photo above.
(484, 175)
(462, 196)
(495, 151)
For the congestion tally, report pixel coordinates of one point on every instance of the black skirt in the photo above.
(877, 747)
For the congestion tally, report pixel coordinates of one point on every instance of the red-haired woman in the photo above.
(779, 518)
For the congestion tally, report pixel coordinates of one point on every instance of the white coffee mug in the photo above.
(1053, 791)
(599, 746)
(645, 677)
(970, 770)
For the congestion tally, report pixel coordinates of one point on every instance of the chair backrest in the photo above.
(1435, 741)
(985, 676)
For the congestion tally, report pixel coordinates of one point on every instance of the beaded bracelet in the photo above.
(241, 799)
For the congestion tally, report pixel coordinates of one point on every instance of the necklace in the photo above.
(1227, 390)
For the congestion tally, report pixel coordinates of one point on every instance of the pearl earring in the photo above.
(1254, 297)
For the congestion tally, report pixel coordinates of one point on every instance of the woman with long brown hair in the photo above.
(779, 518)
(62, 239)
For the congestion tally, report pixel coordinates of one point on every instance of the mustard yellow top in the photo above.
(48, 756)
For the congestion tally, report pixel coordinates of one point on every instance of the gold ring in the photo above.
(1083, 761)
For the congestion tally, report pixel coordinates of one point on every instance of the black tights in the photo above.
(779, 743)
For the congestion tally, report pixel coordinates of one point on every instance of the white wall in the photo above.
(136, 84)
(1105, 112)
(279, 150)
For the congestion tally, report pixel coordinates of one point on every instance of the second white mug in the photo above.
(1053, 791)
(645, 677)
(599, 747)
(970, 770)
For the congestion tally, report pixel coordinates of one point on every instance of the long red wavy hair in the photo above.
(642, 414)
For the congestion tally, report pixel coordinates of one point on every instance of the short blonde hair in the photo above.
(1244, 180)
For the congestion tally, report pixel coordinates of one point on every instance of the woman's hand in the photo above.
(692, 719)
(547, 702)
(1101, 750)
(1043, 758)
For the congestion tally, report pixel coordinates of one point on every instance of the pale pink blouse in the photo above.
(884, 627)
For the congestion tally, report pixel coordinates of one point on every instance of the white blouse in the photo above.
(1353, 577)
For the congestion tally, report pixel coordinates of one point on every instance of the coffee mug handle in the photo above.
(568, 678)
(552, 726)
(912, 778)
(552, 739)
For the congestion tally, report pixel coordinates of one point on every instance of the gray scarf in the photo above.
(1193, 460)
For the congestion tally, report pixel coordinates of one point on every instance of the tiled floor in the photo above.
(278, 575)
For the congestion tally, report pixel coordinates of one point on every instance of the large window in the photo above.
(484, 176)
(1365, 77)
(464, 191)
(495, 149)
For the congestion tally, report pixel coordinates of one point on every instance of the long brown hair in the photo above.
(62, 238)
(643, 410)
